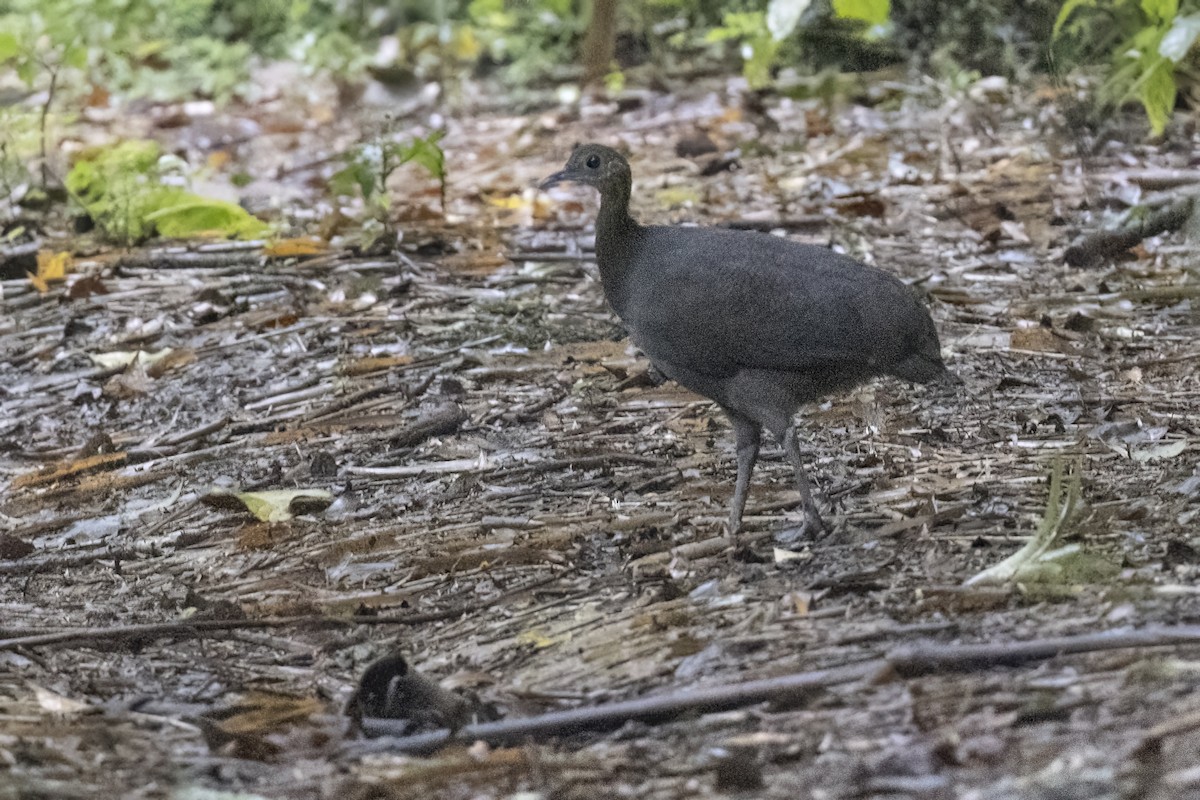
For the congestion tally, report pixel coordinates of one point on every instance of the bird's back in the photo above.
(715, 302)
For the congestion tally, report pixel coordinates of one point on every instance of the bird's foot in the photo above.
(812, 526)
(815, 524)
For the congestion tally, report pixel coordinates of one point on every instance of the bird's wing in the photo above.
(749, 302)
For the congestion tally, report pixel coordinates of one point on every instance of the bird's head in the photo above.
(596, 165)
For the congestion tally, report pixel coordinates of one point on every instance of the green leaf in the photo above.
(757, 69)
(355, 175)
(1157, 93)
(429, 154)
(1180, 38)
(200, 215)
(121, 189)
(27, 71)
(874, 12)
(1160, 10)
(738, 25)
(76, 56)
(1068, 9)
(10, 46)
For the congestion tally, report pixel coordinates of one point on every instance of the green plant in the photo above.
(42, 51)
(131, 191)
(19, 143)
(764, 35)
(529, 38)
(1144, 64)
(369, 165)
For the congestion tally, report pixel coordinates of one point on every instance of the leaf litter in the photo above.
(511, 503)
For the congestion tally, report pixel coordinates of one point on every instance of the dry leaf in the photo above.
(294, 248)
(272, 505)
(217, 159)
(1153, 452)
(123, 358)
(68, 469)
(86, 287)
(130, 383)
(364, 366)
(51, 268)
(178, 357)
(536, 638)
(54, 703)
(1037, 339)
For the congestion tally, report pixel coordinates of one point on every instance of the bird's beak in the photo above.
(555, 179)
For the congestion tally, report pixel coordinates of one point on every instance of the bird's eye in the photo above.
(593, 162)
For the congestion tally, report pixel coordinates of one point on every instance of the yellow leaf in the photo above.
(51, 268)
(300, 246)
(510, 203)
(280, 505)
(535, 638)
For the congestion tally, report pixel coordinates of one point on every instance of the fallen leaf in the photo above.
(51, 268)
(86, 287)
(1039, 339)
(250, 728)
(68, 469)
(177, 357)
(273, 505)
(117, 359)
(536, 638)
(295, 248)
(1152, 452)
(364, 366)
(55, 703)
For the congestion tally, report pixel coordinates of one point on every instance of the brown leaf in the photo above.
(86, 287)
(364, 366)
(180, 357)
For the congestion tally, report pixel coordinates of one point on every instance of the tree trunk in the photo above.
(600, 42)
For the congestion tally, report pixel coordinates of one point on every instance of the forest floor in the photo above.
(521, 513)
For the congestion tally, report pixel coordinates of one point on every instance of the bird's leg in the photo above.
(792, 447)
(748, 436)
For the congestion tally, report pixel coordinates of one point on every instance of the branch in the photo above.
(196, 626)
(1096, 247)
(921, 659)
(660, 708)
(904, 662)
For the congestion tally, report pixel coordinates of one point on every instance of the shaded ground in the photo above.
(540, 520)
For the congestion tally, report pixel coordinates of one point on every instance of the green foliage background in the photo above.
(162, 50)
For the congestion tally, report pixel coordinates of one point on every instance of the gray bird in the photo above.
(757, 323)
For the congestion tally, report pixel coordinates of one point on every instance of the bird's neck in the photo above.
(616, 232)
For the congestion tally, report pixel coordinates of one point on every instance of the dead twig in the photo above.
(31, 566)
(786, 689)
(1096, 247)
(922, 659)
(18, 639)
(161, 259)
(904, 662)
(441, 421)
(155, 630)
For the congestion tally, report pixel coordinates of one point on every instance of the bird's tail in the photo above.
(923, 368)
